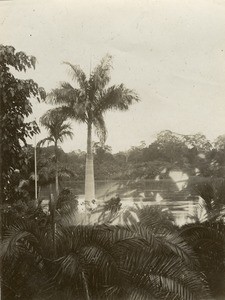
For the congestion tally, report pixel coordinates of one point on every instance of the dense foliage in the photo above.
(15, 107)
(143, 260)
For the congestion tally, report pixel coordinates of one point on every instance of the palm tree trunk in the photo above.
(56, 170)
(89, 172)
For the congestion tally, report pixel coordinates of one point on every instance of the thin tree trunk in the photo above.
(56, 171)
(85, 286)
(53, 223)
(89, 172)
(1, 170)
(35, 173)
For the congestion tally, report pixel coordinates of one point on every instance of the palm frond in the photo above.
(66, 127)
(100, 77)
(150, 216)
(100, 126)
(208, 240)
(65, 134)
(207, 234)
(157, 229)
(77, 74)
(140, 294)
(65, 95)
(162, 275)
(53, 117)
(106, 262)
(116, 98)
(76, 112)
(21, 238)
(46, 140)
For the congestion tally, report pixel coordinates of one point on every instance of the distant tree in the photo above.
(197, 141)
(218, 157)
(170, 147)
(185, 152)
(135, 153)
(57, 129)
(15, 107)
(220, 142)
(46, 164)
(102, 152)
(88, 104)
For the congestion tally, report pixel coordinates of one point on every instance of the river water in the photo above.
(170, 194)
(174, 193)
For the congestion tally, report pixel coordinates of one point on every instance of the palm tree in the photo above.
(57, 129)
(88, 104)
(98, 262)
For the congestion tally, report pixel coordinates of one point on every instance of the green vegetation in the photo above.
(15, 107)
(56, 254)
(101, 262)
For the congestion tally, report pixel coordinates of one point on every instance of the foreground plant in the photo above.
(208, 242)
(99, 262)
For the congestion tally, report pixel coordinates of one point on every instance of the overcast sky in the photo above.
(171, 52)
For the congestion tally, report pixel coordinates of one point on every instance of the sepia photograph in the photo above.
(112, 149)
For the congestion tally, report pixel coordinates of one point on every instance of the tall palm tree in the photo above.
(57, 129)
(88, 103)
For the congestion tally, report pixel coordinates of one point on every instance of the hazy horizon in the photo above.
(172, 53)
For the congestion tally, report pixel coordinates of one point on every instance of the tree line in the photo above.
(194, 155)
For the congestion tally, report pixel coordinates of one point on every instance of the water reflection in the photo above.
(181, 210)
(171, 190)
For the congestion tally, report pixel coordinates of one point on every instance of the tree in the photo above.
(218, 156)
(55, 124)
(189, 153)
(170, 146)
(15, 106)
(88, 104)
(197, 141)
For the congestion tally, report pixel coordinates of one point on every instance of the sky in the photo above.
(171, 52)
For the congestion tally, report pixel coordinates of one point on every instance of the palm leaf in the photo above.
(46, 140)
(75, 112)
(77, 74)
(100, 126)
(64, 134)
(163, 275)
(100, 77)
(65, 95)
(21, 239)
(116, 98)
